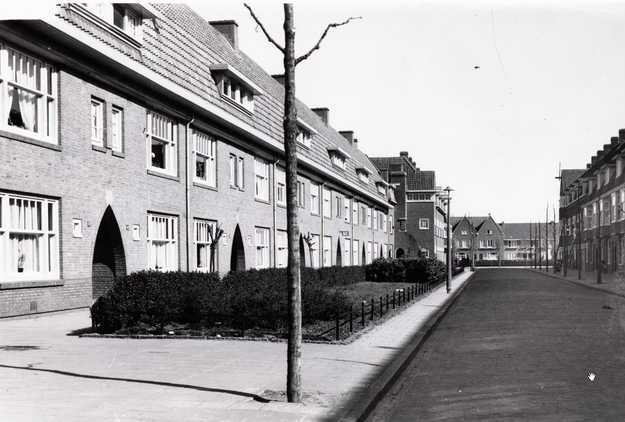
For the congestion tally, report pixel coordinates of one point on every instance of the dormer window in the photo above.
(363, 174)
(304, 137)
(235, 87)
(127, 20)
(338, 157)
(381, 188)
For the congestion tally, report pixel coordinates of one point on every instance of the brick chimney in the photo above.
(323, 113)
(355, 143)
(279, 78)
(348, 134)
(403, 153)
(229, 29)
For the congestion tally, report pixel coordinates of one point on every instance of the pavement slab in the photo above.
(48, 375)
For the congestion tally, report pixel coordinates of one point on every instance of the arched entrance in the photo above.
(400, 253)
(381, 251)
(302, 252)
(364, 254)
(339, 255)
(237, 257)
(109, 260)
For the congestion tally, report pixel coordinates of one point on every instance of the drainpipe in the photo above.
(322, 235)
(187, 168)
(273, 212)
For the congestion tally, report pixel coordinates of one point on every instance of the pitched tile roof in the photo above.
(417, 179)
(568, 176)
(186, 45)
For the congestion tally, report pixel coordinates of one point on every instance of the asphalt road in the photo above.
(517, 345)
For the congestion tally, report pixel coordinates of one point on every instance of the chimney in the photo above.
(403, 153)
(348, 134)
(323, 113)
(355, 143)
(279, 78)
(229, 29)
(614, 140)
(621, 134)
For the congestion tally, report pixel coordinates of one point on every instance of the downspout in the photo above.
(351, 235)
(273, 213)
(321, 237)
(188, 190)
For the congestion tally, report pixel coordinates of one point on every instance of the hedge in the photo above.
(243, 299)
(422, 270)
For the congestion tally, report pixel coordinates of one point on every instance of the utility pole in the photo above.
(547, 238)
(555, 246)
(449, 258)
(294, 287)
(598, 262)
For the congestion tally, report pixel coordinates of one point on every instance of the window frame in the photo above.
(423, 226)
(262, 248)
(315, 198)
(98, 113)
(261, 180)
(201, 140)
(170, 242)
(280, 187)
(170, 145)
(204, 242)
(117, 129)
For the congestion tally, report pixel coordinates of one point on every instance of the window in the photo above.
(355, 251)
(162, 242)
(384, 224)
(127, 20)
(205, 151)
(424, 223)
(338, 202)
(369, 218)
(375, 220)
(391, 226)
(381, 189)
(97, 122)
(301, 194)
(262, 247)
(304, 136)
(337, 159)
(314, 198)
(29, 232)
(28, 90)
(236, 172)
(282, 249)
(463, 232)
(205, 255)
(354, 212)
(327, 204)
(314, 250)
(346, 210)
(327, 251)
(117, 129)
(261, 180)
(234, 91)
(369, 252)
(363, 215)
(162, 140)
(363, 175)
(280, 179)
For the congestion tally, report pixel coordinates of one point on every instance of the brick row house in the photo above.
(420, 213)
(591, 210)
(487, 240)
(129, 133)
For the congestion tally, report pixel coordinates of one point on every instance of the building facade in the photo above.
(592, 213)
(131, 133)
(420, 215)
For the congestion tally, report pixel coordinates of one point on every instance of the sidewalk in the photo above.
(49, 376)
(610, 282)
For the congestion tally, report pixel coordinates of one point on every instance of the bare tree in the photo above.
(215, 233)
(310, 243)
(294, 348)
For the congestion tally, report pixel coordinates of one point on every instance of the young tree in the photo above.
(294, 348)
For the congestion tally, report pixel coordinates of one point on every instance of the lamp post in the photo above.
(448, 190)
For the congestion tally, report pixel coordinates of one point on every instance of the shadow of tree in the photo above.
(255, 397)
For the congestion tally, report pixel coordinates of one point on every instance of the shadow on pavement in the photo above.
(161, 383)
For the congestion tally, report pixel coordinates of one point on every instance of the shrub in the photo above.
(386, 270)
(422, 270)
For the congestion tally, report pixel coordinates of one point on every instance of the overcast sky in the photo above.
(491, 96)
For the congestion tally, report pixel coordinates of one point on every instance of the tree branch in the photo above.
(258, 22)
(316, 46)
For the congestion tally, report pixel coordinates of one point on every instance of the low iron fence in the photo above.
(359, 316)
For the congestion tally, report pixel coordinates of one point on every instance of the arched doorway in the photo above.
(381, 251)
(237, 257)
(109, 260)
(339, 255)
(302, 252)
(400, 253)
(364, 254)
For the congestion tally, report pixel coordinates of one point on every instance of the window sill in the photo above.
(316, 214)
(26, 284)
(237, 105)
(282, 205)
(237, 188)
(163, 175)
(28, 140)
(262, 201)
(118, 154)
(98, 148)
(204, 186)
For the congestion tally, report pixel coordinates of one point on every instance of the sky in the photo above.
(493, 96)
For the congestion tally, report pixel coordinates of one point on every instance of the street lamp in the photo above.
(448, 190)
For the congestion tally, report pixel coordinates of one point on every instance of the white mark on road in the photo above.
(592, 376)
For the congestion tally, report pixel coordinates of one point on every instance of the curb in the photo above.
(578, 283)
(364, 404)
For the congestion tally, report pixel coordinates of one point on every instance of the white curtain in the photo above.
(26, 107)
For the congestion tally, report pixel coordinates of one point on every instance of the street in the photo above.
(517, 345)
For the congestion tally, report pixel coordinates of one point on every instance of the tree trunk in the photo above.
(294, 349)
